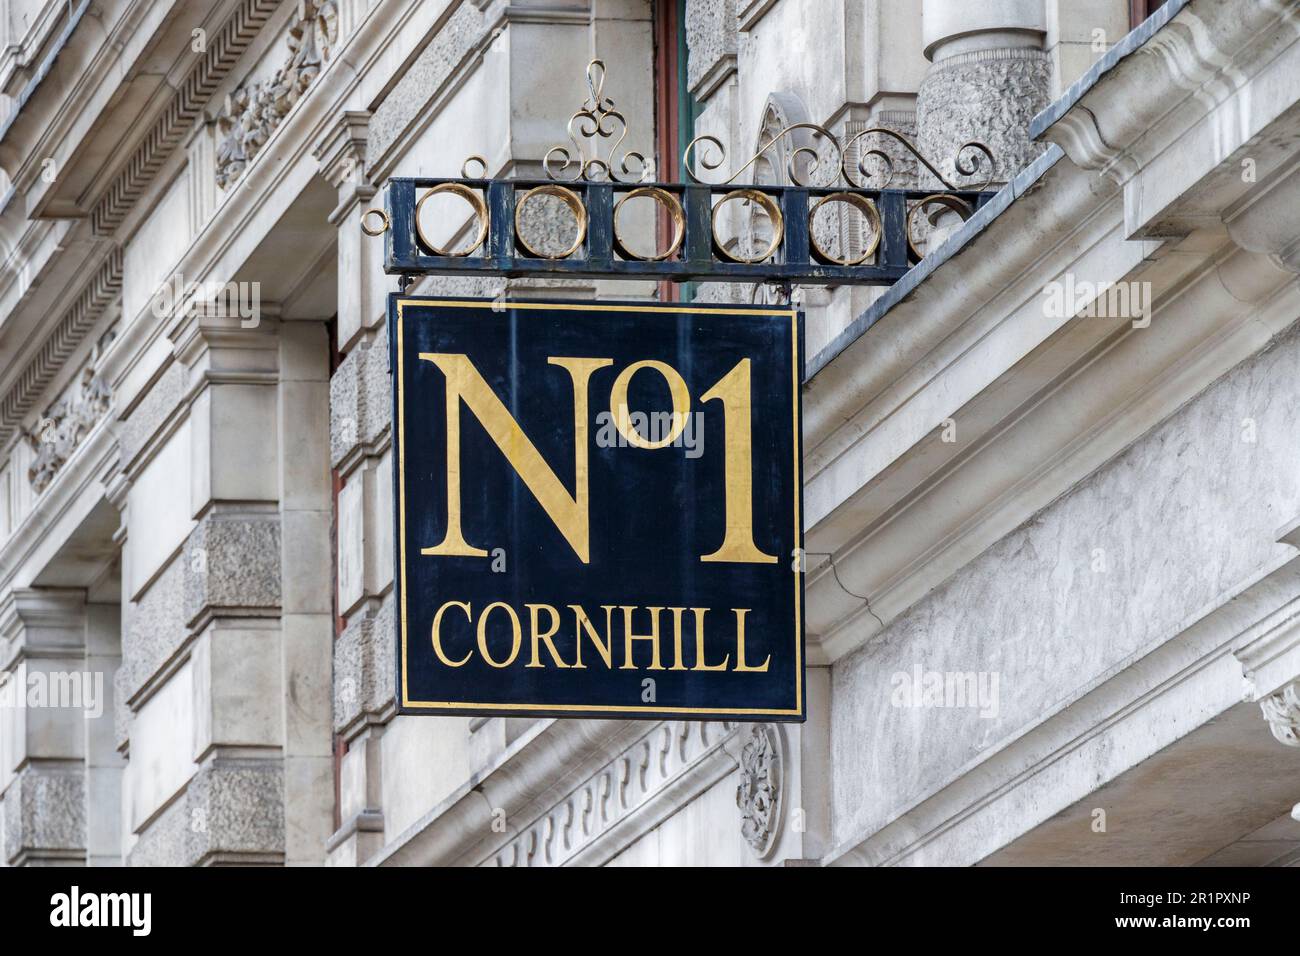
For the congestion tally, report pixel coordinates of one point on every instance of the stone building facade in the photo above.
(1052, 487)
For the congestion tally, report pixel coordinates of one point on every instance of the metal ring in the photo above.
(773, 213)
(476, 203)
(675, 212)
(383, 217)
(959, 206)
(863, 205)
(571, 199)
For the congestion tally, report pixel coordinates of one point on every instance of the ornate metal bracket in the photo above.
(589, 186)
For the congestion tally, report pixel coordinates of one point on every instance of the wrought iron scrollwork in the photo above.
(799, 183)
(707, 153)
(808, 153)
(597, 118)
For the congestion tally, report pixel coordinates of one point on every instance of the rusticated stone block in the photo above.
(409, 99)
(363, 666)
(232, 812)
(146, 418)
(240, 806)
(155, 631)
(711, 39)
(231, 564)
(45, 815)
(360, 400)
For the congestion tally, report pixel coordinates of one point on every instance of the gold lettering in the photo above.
(568, 512)
(544, 638)
(437, 636)
(583, 623)
(629, 637)
(733, 390)
(740, 613)
(516, 634)
(676, 388)
(700, 665)
(677, 639)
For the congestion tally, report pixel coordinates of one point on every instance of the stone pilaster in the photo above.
(49, 697)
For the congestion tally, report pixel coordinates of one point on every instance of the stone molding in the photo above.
(41, 622)
(662, 771)
(1172, 689)
(342, 151)
(1122, 113)
(760, 793)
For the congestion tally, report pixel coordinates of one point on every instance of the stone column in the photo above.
(989, 76)
(45, 690)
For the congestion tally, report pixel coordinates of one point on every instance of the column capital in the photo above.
(41, 622)
(341, 153)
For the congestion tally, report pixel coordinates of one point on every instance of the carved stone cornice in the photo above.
(224, 49)
(1120, 114)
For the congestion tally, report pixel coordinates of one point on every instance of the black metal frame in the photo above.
(795, 261)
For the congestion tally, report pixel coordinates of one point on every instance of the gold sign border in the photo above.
(596, 709)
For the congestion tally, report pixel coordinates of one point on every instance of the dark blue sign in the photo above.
(597, 509)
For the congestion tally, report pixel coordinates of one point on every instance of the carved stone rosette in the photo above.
(253, 110)
(759, 794)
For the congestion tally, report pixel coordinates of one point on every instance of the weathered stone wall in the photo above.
(1163, 534)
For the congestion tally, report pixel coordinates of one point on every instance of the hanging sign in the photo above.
(597, 509)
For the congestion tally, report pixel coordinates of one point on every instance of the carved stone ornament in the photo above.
(1282, 711)
(64, 426)
(759, 793)
(253, 110)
